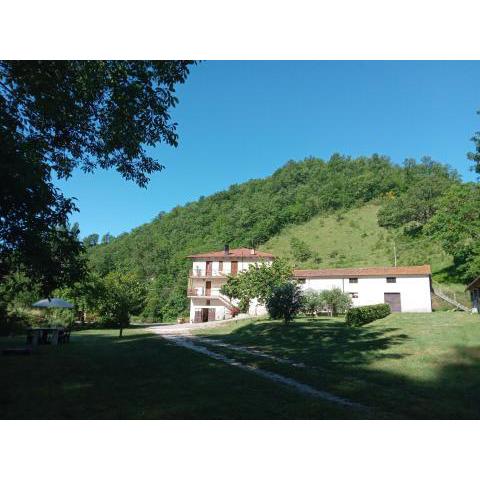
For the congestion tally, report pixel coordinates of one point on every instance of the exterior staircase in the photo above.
(439, 293)
(228, 303)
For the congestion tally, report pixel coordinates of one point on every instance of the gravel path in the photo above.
(185, 328)
(183, 338)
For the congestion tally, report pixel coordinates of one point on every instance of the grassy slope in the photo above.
(354, 239)
(404, 366)
(99, 376)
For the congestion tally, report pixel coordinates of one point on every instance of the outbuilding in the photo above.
(405, 289)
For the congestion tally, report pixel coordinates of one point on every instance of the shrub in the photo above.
(300, 250)
(285, 301)
(361, 315)
(335, 300)
(312, 303)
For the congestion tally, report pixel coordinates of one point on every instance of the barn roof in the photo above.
(233, 253)
(363, 272)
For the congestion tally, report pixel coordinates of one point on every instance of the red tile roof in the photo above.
(363, 272)
(233, 253)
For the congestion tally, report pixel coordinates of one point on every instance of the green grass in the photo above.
(99, 376)
(404, 366)
(354, 239)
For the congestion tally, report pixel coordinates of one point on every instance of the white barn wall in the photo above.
(414, 290)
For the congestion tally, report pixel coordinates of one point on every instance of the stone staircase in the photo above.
(439, 293)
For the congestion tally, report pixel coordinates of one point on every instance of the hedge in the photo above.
(360, 315)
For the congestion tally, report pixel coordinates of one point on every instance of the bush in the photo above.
(361, 315)
(335, 301)
(300, 250)
(312, 303)
(285, 301)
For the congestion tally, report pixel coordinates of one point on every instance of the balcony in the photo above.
(203, 292)
(199, 273)
(212, 293)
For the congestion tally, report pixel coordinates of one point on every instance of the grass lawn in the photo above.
(99, 376)
(404, 366)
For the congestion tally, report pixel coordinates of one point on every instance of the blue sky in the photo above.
(242, 120)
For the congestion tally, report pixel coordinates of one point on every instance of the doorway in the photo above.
(208, 288)
(208, 314)
(394, 300)
(234, 269)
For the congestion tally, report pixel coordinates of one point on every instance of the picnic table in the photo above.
(47, 335)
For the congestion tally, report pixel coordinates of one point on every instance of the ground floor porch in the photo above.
(204, 309)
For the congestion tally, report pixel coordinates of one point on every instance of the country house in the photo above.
(405, 289)
(209, 272)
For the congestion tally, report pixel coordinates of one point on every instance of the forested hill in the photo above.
(253, 212)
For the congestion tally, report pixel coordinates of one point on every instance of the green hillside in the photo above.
(330, 207)
(354, 239)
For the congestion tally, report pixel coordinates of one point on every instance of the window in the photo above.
(220, 266)
(391, 280)
(301, 281)
(353, 294)
(353, 280)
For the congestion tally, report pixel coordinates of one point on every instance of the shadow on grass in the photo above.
(317, 341)
(369, 364)
(99, 375)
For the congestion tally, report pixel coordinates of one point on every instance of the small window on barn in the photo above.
(353, 280)
(353, 294)
(301, 280)
(391, 280)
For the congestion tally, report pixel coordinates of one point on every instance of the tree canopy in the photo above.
(285, 301)
(59, 115)
(256, 282)
(456, 224)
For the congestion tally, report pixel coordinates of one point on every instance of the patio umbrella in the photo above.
(52, 303)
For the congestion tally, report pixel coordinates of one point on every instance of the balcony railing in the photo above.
(202, 292)
(198, 272)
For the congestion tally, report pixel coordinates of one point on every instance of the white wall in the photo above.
(414, 290)
(227, 266)
(221, 311)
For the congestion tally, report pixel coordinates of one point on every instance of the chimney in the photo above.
(226, 249)
(252, 251)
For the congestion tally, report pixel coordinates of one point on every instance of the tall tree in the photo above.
(257, 282)
(123, 295)
(475, 156)
(59, 115)
(285, 301)
(457, 225)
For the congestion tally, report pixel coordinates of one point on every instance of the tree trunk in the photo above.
(121, 331)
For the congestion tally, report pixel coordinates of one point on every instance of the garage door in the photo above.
(393, 299)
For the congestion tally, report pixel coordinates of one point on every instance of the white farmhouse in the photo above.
(210, 271)
(405, 289)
